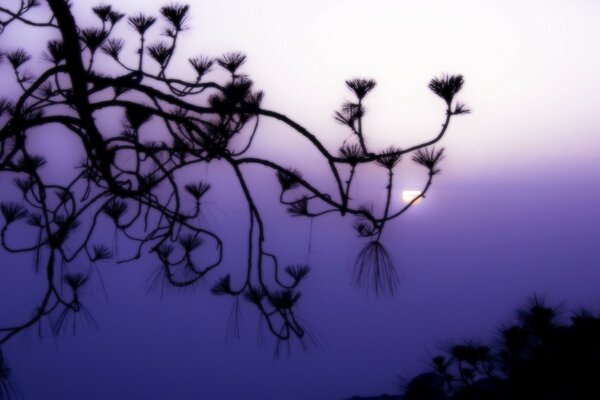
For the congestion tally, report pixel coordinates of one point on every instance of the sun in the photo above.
(410, 195)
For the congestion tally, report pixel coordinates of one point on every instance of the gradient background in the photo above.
(515, 211)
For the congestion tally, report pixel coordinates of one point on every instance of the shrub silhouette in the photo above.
(128, 180)
(537, 358)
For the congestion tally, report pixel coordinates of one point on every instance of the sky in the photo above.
(514, 212)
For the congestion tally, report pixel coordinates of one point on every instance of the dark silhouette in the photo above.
(129, 180)
(536, 358)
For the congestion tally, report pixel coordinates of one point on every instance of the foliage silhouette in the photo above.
(538, 357)
(129, 180)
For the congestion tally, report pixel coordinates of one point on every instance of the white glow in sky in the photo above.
(530, 69)
(410, 195)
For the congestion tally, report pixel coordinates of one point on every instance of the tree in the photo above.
(536, 357)
(130, 180)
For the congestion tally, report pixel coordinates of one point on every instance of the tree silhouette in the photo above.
(129, 180)
(537, 357)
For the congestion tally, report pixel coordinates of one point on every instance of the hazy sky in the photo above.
(530, 67)
(515, 211)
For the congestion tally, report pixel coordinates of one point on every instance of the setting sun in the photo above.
(410, 195)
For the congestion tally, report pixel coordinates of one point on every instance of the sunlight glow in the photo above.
(410, 195)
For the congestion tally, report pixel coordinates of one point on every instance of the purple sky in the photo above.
(515, 211)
